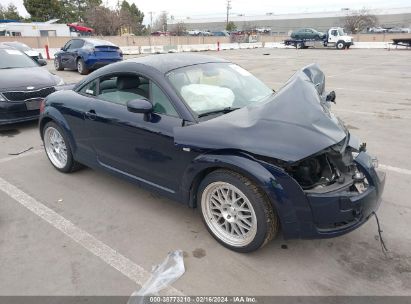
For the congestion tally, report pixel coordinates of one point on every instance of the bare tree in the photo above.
(104, 21)
(161, 22)
(356, 21)
(179, 29)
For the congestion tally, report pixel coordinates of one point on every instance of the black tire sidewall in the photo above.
(258, 206)
(84, 70)
(59, 68)
(343, 45)
(70, 160)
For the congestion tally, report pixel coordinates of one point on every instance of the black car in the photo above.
(307, 33)
(23, 85)
(206, 132)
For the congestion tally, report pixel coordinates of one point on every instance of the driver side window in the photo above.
(121, 88)
(67, 45)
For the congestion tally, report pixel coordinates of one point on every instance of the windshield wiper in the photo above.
(224, 111)
(7, 68)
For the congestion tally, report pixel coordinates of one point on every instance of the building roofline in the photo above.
(329, 14)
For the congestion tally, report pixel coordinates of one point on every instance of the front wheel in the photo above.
(236, 212)
(81, 67)
(57, 64)
(57, 148)
(340, 45)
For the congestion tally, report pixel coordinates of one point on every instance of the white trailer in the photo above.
(35, 29)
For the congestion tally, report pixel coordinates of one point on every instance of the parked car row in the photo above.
(397, 29)
(24, 84)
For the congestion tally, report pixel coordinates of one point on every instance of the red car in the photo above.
(74, 27)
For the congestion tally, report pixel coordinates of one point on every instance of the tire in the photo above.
(81, 67)
(57, 64)
(299, 45)
(56, 146)
(243, 230)
(340, 45)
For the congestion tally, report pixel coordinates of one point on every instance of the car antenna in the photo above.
(384, 248)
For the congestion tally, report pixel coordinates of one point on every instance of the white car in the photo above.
(35, 55)
(378, 29)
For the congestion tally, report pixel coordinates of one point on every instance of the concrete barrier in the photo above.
(159, 49)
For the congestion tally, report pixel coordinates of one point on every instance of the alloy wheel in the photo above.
(56, 148)
(229, 214)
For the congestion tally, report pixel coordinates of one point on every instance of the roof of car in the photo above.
(168, 62)
(97, 41)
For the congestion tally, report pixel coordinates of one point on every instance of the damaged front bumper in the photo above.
(341, 211)
(326, 212)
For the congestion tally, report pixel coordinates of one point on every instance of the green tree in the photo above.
(131, 18)
(10, 12)
(231, 26)
(43, 10)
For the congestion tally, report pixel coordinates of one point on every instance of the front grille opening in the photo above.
(24, 95)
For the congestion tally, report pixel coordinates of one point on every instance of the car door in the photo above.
(309, 34)
(333, 36)
(137, 145)
(64, 57)
(71, 53)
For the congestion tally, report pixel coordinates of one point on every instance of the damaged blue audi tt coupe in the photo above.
(207, 133)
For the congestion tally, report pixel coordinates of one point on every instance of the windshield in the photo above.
(20, 46)
(213, 87)
(12, 58)
(341, 32)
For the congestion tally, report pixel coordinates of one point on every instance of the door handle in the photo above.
(91, 115)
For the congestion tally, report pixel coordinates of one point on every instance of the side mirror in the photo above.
(331, 97)
(140, 106)
(62, 48)
(41, 62)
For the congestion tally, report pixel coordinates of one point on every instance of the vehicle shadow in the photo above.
(12, 130)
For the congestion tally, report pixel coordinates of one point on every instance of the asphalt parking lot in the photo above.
(133, 229)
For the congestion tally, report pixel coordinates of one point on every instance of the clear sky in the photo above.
(216, 8)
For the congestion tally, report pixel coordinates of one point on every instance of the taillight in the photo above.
(42, 106)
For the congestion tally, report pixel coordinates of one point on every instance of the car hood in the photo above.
(32, 53)
(21, 78)
(292, 125)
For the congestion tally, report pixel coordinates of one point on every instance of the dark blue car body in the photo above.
(171, 155)
(95, 53)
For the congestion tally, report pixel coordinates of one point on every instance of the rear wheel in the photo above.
(340, 45)
(81, 67)
(57, 64)
(236, 212)
(57, 148)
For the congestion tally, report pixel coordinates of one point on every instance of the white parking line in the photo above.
(395, 169)
(387, 115)
(372, 91)
(110, 256)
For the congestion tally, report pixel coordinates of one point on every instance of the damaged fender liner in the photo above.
(291, 125)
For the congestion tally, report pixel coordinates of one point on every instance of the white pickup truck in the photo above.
(335, 37)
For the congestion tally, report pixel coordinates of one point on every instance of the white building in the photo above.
(283, 23)
(35, 29)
